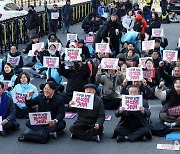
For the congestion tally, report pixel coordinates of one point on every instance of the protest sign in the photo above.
(14, 61)
(58, 45)
(6, 84)
(72, 37)
(167, 147)
(50, 62)
(1, 129)
(134, 74)
(19, 99)
(132, 102)
(109, 63)
(131, 63)
(174, 111)
(108, 117)
(170, 55)
(73, 54)
(143, 60)
(37, 46)
(89, 39)
(102, 47)
(157, 32)
(70, 115)
(148, 74)
(39, 118)
(31, 53)
(147, 45)
(83, 100)
(54, 15)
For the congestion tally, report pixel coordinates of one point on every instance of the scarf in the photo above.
(3, 105)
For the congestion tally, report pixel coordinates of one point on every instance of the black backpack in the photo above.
(138, 26)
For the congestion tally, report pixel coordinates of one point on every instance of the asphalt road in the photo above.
(65, 145)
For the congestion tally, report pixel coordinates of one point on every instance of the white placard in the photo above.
(6, 84)
(31, 53)
(170, 55)
(1, 128)
(102, 47)
(54, 15)
(158, 32)
(50, 62)
(134, 74)
(109, 63)
(39, 118)
(83, 100)
(72, 37)
(73, 54)
(132, 102)
(143, 60)
(147, 45)
(58, 45)
(167, 147)
(19, 99)
(89, 39)
(37, 46)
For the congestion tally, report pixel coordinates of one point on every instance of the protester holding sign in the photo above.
(15, 59)
(171, 98)
(8, 78)
(54, 18)
(111, 82)
(85, 50)
(48, 101)
(7, 112)
(89, 124)
(19, 94)
(134, 125)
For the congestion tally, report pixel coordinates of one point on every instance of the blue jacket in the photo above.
(102, 9)
(147, 16)
(19, 94)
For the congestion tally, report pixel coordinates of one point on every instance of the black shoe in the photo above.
(68, 31)
(73, 136)
(95, 138)
(120, 138)
(3, 133)
(21, 138)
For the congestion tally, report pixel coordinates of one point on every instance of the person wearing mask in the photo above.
(89, 124)
(133, 125)
(67, 14)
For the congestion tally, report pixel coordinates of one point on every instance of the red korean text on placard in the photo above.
(82, 101)
(134, 75)
(109, 64)
(132, 103)
(157, 32)
(13, 61)
(170, 56)
(51, 62)
(20, 98)
(73, 55)
(40, 119)
(102, 48)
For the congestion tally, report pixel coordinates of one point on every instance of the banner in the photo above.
(50, 62)
(170, 55)
(109, 63)
(158, 32)
(174, 111)
(20, 99)
(37, 46)
(39, 118)
(134, 74)
(143, 60)
(73, 54)
(132, 102)
(89, 39)
(58, 45)
(148, 74)
(102, 47)
(1, 129)
(6, 84)
(147, 45)
(72, 37)
(108, 117)
(83, 100)
(167, 147)
(54, 15)
(70, 115)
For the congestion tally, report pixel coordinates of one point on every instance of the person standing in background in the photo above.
(95, 4)
(67, 13)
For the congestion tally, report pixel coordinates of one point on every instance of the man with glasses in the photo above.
(54, 17)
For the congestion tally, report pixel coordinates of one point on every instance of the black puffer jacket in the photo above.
(32, 20)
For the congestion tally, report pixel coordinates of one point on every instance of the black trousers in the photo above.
(52, 28)
(85, 132)
(132, 133)
(56, 128)
(23, 113)
(111, 104)
(9, 126)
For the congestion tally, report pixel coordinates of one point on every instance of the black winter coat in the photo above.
(32, 20)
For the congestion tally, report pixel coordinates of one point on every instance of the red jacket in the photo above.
(143, 21)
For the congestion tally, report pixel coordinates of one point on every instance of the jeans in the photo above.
(35, 74)
(52, 28)
(31, 33)
(18, 70)
(66, 27)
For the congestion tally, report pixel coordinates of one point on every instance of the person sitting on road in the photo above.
(170, 98)
(14, 57)
(96, 23)
(48, 101)
(7, 112)
(86, 26)
(111, 82)
(19, 94)
(132, 58)
(89, 124)
(134, 125)
(85, 50)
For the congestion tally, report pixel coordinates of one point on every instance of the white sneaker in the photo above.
(170, 124)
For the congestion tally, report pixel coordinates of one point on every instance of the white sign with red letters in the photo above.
(39, 118)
